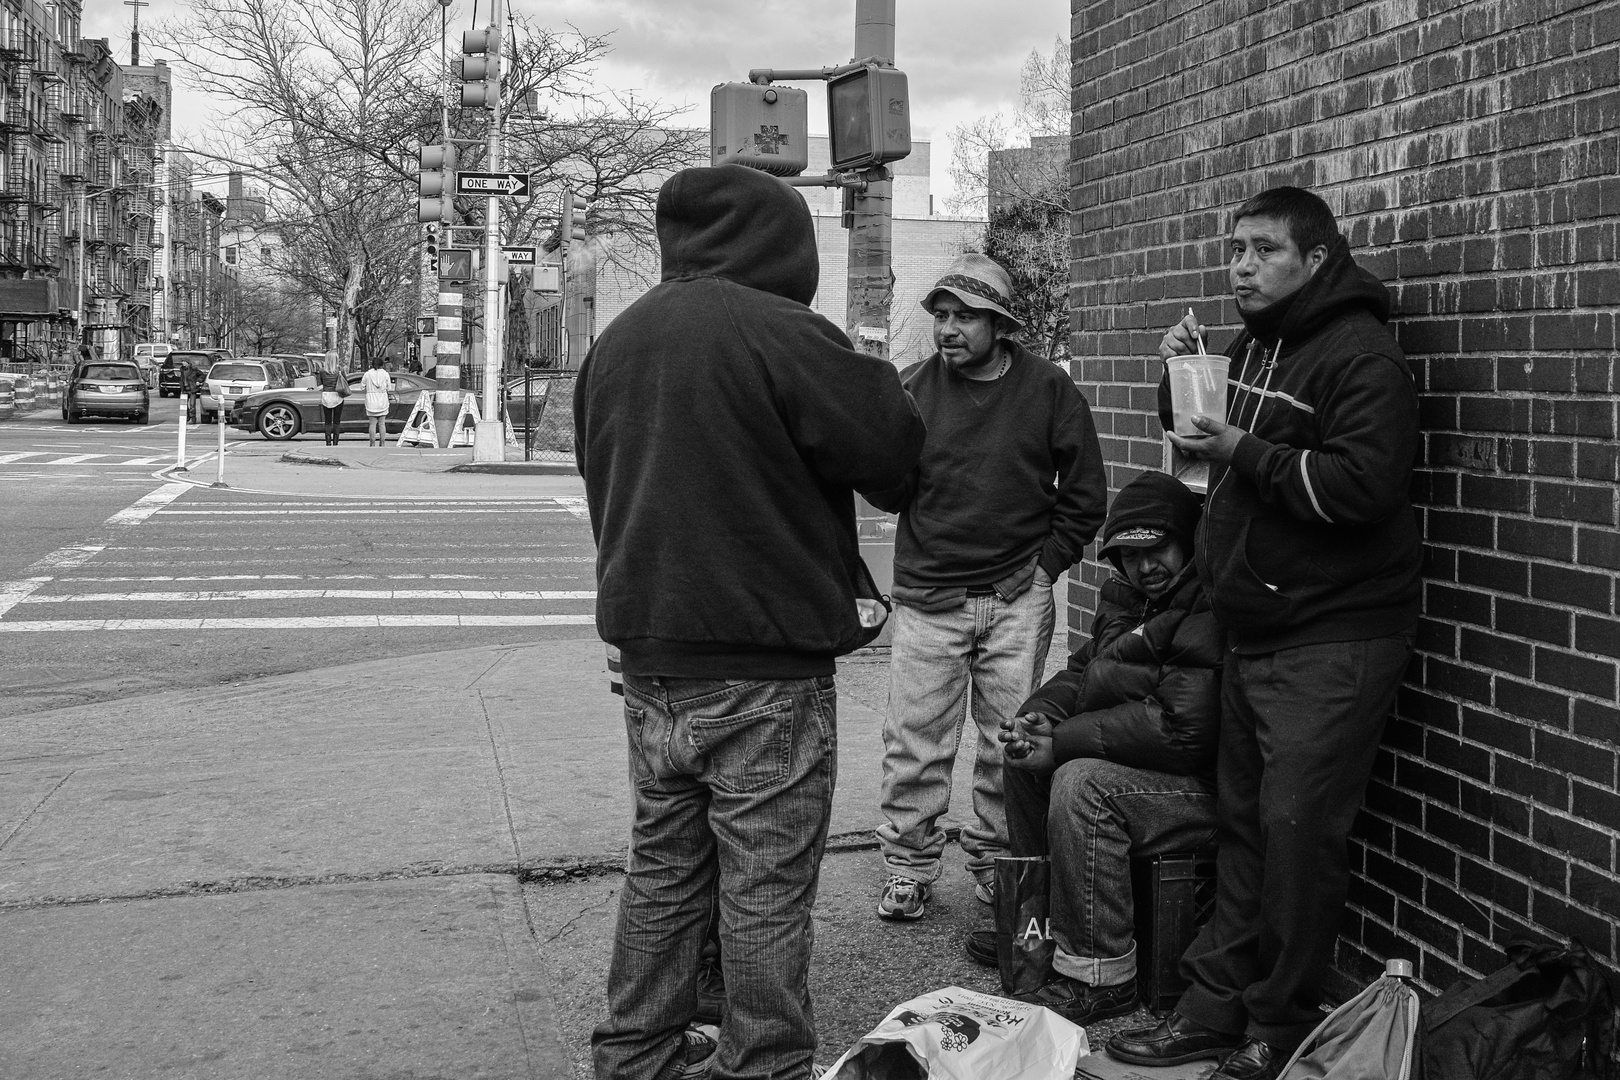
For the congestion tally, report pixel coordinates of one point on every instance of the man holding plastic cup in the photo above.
(1310, 551)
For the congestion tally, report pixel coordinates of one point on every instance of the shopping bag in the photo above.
(1023, 929)
(1373, 1036)
(957, 1034)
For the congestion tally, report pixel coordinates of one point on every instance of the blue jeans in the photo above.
(984, 658)
(733, 789)
(1093, 817)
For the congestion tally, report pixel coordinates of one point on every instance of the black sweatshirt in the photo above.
(1309, 537)
(721, 427)
(1010, 470)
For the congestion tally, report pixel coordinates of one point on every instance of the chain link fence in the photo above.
(541, 408)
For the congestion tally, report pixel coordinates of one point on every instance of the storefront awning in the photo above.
(28, 298)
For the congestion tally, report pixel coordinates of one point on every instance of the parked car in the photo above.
(148, 356)
(171, 372)
(303, 368)
(106, 388)
(230, 380)
(289, 411)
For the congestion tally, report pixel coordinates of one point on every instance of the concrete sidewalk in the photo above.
(323, 874)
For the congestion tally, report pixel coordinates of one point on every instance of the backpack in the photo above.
(1547, 1015)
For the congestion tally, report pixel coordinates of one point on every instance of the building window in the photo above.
(230, 255)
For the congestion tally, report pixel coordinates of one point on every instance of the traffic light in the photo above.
(481, 68)
(432, 245)
(762, 127)
(436, 183)
(574, 208)
(868, 117)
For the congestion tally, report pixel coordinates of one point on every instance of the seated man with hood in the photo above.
(1114, 758)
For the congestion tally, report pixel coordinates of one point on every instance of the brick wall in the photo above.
(1471, 151)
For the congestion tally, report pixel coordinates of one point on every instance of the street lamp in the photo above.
(85, 195)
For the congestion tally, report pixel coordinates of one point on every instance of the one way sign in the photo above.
(515, 184)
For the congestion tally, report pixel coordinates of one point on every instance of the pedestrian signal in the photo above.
(868, 117)
(760, 126)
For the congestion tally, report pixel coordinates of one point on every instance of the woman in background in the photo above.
(379, 393)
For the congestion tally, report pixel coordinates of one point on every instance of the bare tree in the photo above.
(1042, 111)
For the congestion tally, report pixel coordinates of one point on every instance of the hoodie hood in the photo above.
(739, 224)
(1145, 511)
(1339, 284)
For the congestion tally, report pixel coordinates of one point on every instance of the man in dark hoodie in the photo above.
(1009, 491)
(1114, 758)
(1310, 551)
(721, 430)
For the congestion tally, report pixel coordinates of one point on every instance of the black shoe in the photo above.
(1254, 1060)
(1081, 1004)
(711, 987)
(1173, 1041)
(981, 947)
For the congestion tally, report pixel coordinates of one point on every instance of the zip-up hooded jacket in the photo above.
(721, 428)
(1308, 536)
(1145, 689)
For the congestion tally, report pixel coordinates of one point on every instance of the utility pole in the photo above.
(489, 443)
(869, 209)
(446, 359)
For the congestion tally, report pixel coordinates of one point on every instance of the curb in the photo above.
(518, 468)
(293, 457)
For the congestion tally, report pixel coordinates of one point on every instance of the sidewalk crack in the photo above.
(500, 779)
(14, 833)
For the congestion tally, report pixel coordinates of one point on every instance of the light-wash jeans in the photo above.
(1093, 817)
(733, 783)
(982, 660)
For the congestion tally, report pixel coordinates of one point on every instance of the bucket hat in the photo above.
(979, 282)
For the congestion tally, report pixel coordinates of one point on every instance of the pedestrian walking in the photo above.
(1310, 551)
(334, 388)
(1009, 490)
(379, 388)
(1114, 758)
(722, 427)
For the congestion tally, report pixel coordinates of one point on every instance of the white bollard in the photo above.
(219, 416)
(180, 454)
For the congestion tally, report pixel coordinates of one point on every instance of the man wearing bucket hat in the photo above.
(1310, 551)
(1114, 758)
(1008, 492)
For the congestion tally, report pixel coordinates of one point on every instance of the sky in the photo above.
(961, 57)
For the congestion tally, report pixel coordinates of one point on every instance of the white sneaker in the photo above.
(985, 891)
(698, 1045)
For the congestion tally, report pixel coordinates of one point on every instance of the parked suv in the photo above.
(231, 380)
(106, 388)
(171, 374)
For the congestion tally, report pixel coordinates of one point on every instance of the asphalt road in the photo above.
(153, 585)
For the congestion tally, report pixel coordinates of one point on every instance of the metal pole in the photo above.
(871, 278)
(492, 252)
(219, 417)
(446, 361)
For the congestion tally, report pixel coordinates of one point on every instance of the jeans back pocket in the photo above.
(746, 751)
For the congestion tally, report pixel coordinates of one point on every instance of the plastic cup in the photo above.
(1197, 388)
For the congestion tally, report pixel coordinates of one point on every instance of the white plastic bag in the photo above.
(957, 1034)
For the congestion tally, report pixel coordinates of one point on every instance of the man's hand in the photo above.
(1218, 444)
(1182, 338)
(1027, 744)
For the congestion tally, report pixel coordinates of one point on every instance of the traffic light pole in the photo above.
(868, 209)
(488, 442)
(446, 360)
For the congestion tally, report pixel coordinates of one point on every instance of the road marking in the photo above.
(219, 595)
(350, 513)
(575, 506)
(7, 459)
(306, 623)
(292, 577)
(75, 555)
(71, 459)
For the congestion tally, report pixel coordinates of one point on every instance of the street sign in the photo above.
(515, 184)
(518, 256)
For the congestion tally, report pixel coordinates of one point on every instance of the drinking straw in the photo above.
(1197, 335)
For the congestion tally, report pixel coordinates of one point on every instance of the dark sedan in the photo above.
(285, 413)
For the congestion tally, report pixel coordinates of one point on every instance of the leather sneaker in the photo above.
(1173, 1041)
(1081, 1004)
(903, 899)
(1254, 1060)
(981, 947)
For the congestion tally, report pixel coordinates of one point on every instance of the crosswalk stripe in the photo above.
(220, 595)
(306, 623)
(349, 513)
(301, 577)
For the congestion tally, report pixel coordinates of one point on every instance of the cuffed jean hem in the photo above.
(1096, 971)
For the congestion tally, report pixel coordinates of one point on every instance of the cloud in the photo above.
(962, 57)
